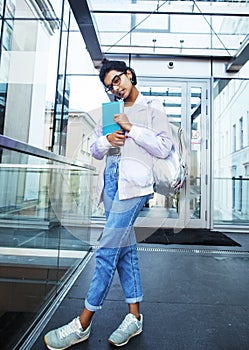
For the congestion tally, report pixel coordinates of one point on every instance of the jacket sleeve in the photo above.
(99, 144)
(156, 139)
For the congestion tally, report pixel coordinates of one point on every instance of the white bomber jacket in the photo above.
(147, 138)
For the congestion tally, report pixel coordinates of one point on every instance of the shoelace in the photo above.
(125, 324)
(66, 330)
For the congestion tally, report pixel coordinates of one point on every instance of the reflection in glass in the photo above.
(195, 171)
(28, 72)
(231, 152)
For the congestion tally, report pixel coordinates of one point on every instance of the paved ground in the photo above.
(194, 298)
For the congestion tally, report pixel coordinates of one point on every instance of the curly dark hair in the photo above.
(119, 66)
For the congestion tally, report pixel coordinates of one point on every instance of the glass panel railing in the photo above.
(45, 212)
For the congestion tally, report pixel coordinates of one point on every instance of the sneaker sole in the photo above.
(124, 343)
(79, 341)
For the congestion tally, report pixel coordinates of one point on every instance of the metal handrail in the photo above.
(22, 147)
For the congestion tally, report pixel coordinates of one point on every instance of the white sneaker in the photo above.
(130, 327)
(65, 336)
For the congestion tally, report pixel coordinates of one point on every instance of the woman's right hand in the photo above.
(117, 138)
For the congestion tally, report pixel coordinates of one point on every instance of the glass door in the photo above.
(185, 104)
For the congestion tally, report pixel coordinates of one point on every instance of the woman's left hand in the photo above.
(123, 121)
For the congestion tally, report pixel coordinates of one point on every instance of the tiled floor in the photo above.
(194, 298)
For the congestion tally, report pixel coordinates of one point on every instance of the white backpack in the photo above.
(170, 173)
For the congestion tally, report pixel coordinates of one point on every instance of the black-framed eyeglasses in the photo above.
(116, 80)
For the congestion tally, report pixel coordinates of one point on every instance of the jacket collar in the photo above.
(141, 99)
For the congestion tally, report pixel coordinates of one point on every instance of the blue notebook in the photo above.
(108, 111)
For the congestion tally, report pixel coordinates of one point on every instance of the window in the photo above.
(247, 130)
(234, 138)
(241, 132)
(240, 193)
(233, 192)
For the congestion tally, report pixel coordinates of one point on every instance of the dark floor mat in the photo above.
(190, 236)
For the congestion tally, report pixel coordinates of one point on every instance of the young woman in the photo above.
(126, 184)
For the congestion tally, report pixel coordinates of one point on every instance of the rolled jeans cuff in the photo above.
(92, 307)
(134, 300)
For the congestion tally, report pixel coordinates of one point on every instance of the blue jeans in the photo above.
(117, 248)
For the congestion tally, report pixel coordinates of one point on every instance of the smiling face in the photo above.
(119, 83)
